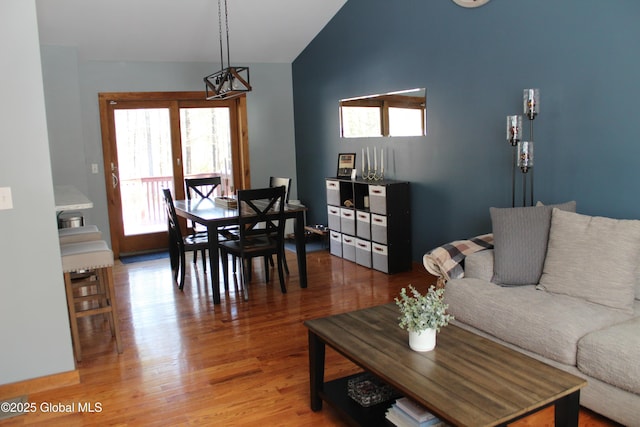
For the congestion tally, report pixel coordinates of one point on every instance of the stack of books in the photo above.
(407, 413)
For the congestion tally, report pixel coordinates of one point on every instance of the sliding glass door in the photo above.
(151, 144)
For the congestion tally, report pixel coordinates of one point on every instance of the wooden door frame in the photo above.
(240, 152)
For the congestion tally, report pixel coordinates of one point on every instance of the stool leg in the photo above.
(105, 301)
(73, 320)
(104, 291)
(114, 310)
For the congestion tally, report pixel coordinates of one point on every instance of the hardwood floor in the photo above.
(188, 362)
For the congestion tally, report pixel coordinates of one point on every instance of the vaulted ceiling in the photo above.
(183, 30)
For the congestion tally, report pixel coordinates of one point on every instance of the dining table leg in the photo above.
(214, 262)
(301, 249)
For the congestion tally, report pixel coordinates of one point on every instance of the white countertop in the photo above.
(67, 197)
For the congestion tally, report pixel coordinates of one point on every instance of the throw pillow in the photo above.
(520, 242)
(593, 258)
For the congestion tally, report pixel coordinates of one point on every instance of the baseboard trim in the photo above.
(36, 385)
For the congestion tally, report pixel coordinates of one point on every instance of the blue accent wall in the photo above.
(582, 55)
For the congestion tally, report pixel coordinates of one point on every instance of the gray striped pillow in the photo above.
(520, 242)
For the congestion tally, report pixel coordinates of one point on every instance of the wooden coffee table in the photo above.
(467, 380)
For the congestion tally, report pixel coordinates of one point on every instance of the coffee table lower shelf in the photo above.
(335, 394)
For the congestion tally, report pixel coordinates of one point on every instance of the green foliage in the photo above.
(420, 312)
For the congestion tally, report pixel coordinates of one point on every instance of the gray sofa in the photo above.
(575, 304)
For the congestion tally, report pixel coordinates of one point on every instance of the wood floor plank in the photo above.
(188, 362)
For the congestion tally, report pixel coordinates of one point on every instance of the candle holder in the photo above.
(373, 173)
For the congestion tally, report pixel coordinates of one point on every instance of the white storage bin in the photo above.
(333, 215)
(349, 248)
(378, 199)
(335, 243)
(380, 257)
(333, 192)
(363, 224)
(348, 221)
(363, 252)
(379, 228)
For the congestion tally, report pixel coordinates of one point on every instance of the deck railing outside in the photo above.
(143, 204)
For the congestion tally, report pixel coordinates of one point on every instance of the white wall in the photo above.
(34, 326)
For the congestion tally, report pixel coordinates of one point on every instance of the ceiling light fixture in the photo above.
(229, 81)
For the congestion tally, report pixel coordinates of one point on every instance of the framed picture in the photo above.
(346, 164)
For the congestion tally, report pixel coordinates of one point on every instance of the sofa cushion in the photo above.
(594, 258)
(479, 265)
(612, 354)
(547, 324)
(520, 242)
(638, 282)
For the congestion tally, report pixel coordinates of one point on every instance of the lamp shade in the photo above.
(525, 155)
(514, 129)
(531, 102)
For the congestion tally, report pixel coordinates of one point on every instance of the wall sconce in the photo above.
(523, 150)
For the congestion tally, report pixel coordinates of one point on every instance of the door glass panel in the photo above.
(206, 145)
(143, 140)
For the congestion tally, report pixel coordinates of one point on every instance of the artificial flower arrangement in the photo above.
(421, 312)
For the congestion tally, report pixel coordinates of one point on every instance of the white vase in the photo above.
(422, 340)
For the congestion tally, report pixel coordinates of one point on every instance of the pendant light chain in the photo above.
(220, 33)
(226, 25)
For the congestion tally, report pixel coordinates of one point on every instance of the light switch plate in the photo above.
(6, 202)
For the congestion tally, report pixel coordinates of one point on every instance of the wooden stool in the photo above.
(79, 234)
(94, 256)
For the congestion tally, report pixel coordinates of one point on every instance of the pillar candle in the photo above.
(375, 159)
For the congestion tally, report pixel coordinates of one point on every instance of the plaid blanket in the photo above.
(444, 261)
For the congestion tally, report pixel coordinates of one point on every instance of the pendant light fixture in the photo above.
(229, 81)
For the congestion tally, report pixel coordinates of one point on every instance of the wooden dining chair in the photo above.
(275, 181)
(179, 244)
(201, 188)
(261, 233)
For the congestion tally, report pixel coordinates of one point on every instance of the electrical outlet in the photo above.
(94, 168)
(6, 202)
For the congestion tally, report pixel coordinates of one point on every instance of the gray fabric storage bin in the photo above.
(378, 199)
(379, 228)
(349, 247)
(333, 192)
(380, 257)
(363, 224)
(348, 221)
(335, 243)
(363, 252)
(333, 215)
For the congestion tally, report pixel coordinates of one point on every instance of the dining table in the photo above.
(215, 216)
